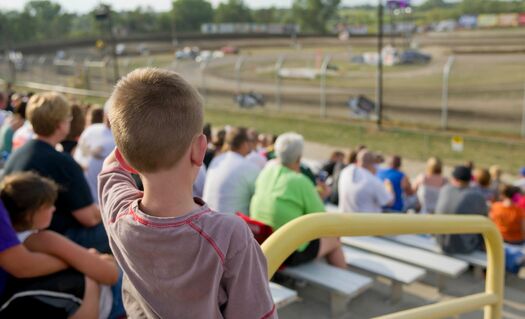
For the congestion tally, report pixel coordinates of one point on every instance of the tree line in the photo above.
(43, 20)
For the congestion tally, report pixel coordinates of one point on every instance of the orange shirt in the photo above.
(508, 220)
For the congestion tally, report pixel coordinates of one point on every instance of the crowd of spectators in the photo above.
(51, 226)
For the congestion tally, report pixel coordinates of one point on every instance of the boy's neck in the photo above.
(164, 195)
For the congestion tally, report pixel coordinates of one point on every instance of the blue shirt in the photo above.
(395, 177)
(8, 239)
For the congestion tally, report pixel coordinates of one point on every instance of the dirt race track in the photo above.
(486, 87)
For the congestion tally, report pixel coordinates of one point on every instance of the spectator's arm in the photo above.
(88, 216)
(405, 185)
(311, 198)
(417, 183)
(101, 268)
(116, 191)
(385, 194)
(22, 263)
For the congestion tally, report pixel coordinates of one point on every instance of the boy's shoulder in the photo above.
(229, 231)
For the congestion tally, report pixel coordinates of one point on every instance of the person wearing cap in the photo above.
(94, 145)
(521, 182)
(459, 198)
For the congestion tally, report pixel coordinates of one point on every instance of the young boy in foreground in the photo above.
(180, 259)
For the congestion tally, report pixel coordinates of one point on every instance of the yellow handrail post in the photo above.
(286, 239)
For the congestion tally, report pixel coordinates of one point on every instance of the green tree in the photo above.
(314, 15)
(433, 4)
(266, 15)
(46, 20)
(233, 11)
(190, 14)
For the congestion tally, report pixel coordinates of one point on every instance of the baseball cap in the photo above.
(462, 173)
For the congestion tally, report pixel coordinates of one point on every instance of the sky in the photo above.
(83, 6)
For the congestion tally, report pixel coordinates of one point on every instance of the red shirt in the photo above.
(508, 219)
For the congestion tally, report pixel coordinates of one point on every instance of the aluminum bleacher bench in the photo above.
(477, 259)
(442, 265)
(282, 296)
(342, 285)
(397, 272)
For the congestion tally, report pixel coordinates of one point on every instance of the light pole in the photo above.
(103, 13)
(379, 71)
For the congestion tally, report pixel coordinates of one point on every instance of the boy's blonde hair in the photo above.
(154, 116)
(46, 110)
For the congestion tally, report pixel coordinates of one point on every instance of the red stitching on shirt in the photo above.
(159, 225)
(128, 212)
(269, 313)
(113, 169)
(209, 239)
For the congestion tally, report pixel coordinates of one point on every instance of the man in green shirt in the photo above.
(282, 194)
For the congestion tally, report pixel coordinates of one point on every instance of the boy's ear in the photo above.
(198, 149)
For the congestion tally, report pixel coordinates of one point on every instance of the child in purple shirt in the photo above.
(180, 259)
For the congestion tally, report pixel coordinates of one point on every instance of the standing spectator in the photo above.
(76, 216)
(458, 197)
(399, 181)
(509, 218)
(482, 182)
(521, 181)
(283, 193)
(428, 185)
(360, 190)
(180, 258)
(230, 180)
(94, 145)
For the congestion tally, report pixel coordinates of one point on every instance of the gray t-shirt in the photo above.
(456, 200)
(200, 265)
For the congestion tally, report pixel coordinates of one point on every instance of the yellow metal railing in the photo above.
(286, 239)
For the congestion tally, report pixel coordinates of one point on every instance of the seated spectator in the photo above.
(482, 182)
(29, 199)
(215, 148)
(210, 150)
(78, 123)
(458, 197)
(336, 173)
(283, 194)
(23, 135)
(255, 155)
(10, 126)
(509, 218)
(336, 158)
(230, 179)
(360, 190)
(521, 181)
(76, 217)
(94, 145)
(399, 181)
(428, 185)
(495, 177)
(94, 115)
